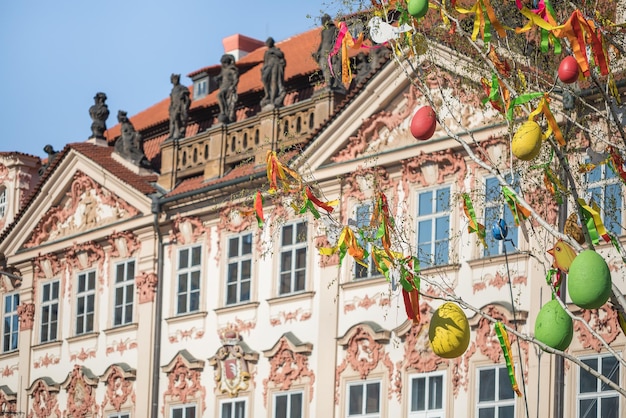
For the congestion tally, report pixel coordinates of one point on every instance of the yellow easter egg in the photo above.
(449, 331)
(526, 142)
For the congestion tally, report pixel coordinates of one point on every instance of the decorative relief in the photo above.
(288, 364)
(288, 317)
(4, 173)
(433, 168)
(8, 403)
(321, 241)
(460, 370)
(183, 335)
(83, 354)
(47, 360)
(8, 371)
(232, 374)
(239, 325)
(26, 314)
(84, 256)
(363, 184)
(366, 302)
(184, 375)
(186, 230)
(498, 281)
(604, 321)
(119, 387)
(121, 346)
(44, 400)
(146, 284)
(123, 244)
(47, 266)
(85, 206)
(364, 352)
(81, 397)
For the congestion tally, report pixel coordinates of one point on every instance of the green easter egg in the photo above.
(418, 8)
(554, 327)
(589, 280)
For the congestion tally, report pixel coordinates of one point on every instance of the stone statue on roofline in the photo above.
(130, 144)
(179, 108)
(228, 79)
(52, 154)
(99, 113)
(332, 78)
(273, 76)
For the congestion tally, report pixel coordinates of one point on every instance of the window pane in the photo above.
(240, 409)
(610, 407)
(227, 410)
(418, 390)
(245, 291)
(506, 412)
(356, 400)
(301, 232)
(232, 272)
(443, 200)
(504, 382)
(246, 244)
(610, 368)
(425, 203)
(425, 231)
(435, 392)
(196, 256)
(233, 247)
(177, 413)
(486, 413)
(301, 258)
(285, 283)
(281, 406)
(287, 235)
(296, 405)
(588, 382)
(373, 398)
(588, 408)
(285, 261)
(487, 385)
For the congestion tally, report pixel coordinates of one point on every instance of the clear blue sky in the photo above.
(56, 54)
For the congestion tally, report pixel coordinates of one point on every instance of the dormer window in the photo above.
(200, 88)
(3, 202)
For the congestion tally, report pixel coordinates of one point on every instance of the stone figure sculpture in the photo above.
(130, 144)
(228, 79)
(179, 108)
(329, 35)
(99, 113)
(273, 75)
(52, 154)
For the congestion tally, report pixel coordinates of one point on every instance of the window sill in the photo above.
(235, 308)
(81, 337)
(121, 328)
(10, 354)
(48, 345)
(498, 259)
(186, 317)
(291, 297)
(364, 282)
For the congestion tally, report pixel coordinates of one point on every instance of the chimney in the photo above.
(239, 45)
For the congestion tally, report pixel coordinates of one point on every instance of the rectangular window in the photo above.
(604, 187)
(3, 202)
(363, 215)
(11, 322)
(364, 399)
(124, 293)
(85, 302)
(288, 405)
(496, 209)
(233, 408)
(433, 227)
(427, 397)
(496, 398)
(49, 311)
(184, 411)
(189, 269)
(239, 279)
(594, 398)
(200, 88)
(293, 258)
(119, 415)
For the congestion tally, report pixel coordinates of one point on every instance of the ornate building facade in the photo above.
(155, 292)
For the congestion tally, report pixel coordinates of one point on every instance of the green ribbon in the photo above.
(506, 349)
(520, 100)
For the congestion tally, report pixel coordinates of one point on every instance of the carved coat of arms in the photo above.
(231, 366)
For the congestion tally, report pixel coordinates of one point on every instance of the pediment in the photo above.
(83, 205)
(379, 122)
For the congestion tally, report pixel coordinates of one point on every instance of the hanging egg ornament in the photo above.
(500, 230)
(554, 327)
(526, 142)
(589, 280)
(568, 70)
(424, 123)
(449, 331)
(418, 8)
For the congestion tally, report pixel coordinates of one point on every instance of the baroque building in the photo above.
(135, 291)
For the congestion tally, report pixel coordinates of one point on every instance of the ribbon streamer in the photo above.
(343, 42)
(277, 171)
(593, 219)
(519, 212)
(347, 244)
(258, 209)
(503, 337)
(474, 225)
(553, 127)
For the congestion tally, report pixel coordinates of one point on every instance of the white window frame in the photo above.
(430, 410)
(191, 273)
(364, 384)
(198, 91)
(436, 214)
(288, 413)
(119, 415)
(362, 219)
(602, 390)
(298, 243)
(233, 412)
(86, 319)
(494, 200)
(126, 286)
(242, 257)
(500, 372)
(10, 336)
(183, 408)
(49, 304)
(3, 202)
(597, 190)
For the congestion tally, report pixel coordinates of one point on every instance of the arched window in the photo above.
(3, 202)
